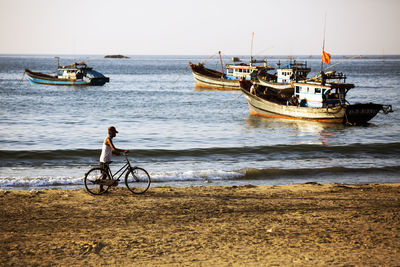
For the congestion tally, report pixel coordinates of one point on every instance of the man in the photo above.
(253, 89)
(108, 148)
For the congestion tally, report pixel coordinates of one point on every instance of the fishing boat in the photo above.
(282, 79)
(213, 79)
(321, 99)
(74, 74)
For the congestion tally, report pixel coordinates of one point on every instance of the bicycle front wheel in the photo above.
(93, 181)
(137, 180)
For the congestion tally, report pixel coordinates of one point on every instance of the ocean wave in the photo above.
(84, 156)
(247, 174)
(27, 182)
(156, 177)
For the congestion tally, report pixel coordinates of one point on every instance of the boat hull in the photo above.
(37, 78)
(274, 85)
(211, 79)
(265, 108)
(362, 113)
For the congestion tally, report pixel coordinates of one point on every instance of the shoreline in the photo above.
(203, 183)
(299, 224)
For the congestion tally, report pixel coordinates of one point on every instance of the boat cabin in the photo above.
(317, 96)
(284, 75)
(69, 74)
(294, 71)
(72, 71)
(244, 71)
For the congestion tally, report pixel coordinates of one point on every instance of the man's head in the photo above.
(112, 131)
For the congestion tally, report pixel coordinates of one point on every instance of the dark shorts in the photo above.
(105, 166)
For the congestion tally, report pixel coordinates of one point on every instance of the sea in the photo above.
(50, 136)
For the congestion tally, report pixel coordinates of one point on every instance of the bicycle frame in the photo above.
(136, 179)
(126, 167)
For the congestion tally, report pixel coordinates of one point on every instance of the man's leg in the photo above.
(104, 174)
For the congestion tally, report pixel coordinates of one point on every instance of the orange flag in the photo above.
(326, 57)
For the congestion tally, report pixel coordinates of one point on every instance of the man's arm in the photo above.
(109, 143)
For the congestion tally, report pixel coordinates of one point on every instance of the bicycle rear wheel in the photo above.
(137, 180)
(93, 182)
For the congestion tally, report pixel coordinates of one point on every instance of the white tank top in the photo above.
(106, 153)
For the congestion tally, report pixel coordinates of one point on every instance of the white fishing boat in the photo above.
(74, 74)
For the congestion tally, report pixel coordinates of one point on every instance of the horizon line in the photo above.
(157, 54)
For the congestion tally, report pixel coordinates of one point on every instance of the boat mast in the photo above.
(251, 51)
(220, 59)
(58, 62)
(323, 45)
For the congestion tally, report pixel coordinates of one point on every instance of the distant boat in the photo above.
(208, 78)
(316, 99)
(74, 74)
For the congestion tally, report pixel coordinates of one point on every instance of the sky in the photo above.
(199, 27)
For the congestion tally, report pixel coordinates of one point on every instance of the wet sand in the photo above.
(292, 225)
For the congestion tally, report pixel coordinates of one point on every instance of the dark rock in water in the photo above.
(115, 56)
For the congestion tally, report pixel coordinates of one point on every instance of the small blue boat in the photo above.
(74, 74)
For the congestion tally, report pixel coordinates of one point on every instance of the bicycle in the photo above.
(136, 179)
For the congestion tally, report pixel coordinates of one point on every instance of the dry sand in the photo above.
(293, 225)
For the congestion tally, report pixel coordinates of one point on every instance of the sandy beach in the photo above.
(291, 225)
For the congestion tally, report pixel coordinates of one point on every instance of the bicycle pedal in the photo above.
(106, 182)
(111, 182)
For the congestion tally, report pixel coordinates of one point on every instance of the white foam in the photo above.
(200, 175)
(172, 176)
(38, 181)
